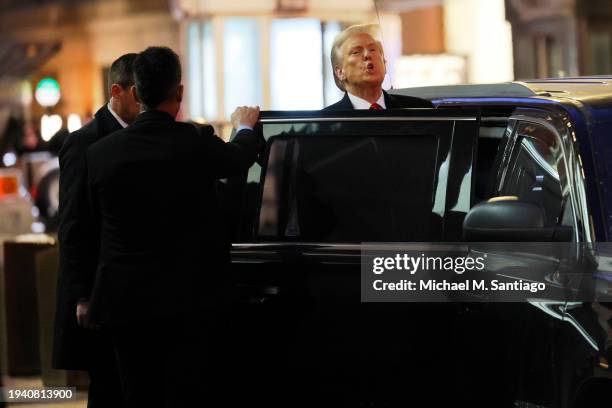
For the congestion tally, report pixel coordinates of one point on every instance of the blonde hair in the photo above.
(336, 50)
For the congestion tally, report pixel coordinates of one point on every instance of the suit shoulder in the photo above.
(196, 128)
(80, 139)
(105, 142)
(84, 134)
(343, 104)
(340, 105)
(331, 107)
(198, 133)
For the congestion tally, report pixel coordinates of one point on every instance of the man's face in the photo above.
(129, 107)
(363, 63)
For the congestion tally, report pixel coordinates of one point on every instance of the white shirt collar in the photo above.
(117, 117)
(360, 103)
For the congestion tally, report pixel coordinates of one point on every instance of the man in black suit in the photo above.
(359, 68)
(76, 345)
(163, 273)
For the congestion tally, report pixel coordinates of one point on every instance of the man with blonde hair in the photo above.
(359, 66)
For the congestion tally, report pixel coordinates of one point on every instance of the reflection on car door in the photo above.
(523, 338)
(328, 183)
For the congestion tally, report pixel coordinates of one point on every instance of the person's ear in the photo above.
(134, 93)
(339, 73)
(116, 90)
(179, 94)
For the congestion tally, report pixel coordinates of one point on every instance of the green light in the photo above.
(48, 83)
(47, 92)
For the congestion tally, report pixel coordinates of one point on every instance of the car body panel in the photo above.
(310, 335)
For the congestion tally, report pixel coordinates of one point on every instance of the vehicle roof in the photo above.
(591, 90)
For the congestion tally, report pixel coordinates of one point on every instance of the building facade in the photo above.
(557, 38)
(275, 53)
(271, 53)
(85, 37)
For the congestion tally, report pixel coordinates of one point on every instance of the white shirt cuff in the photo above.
(242, 127)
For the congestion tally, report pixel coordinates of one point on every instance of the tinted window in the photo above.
(491, 144)
(347, 189)
(359, 177)
(357, 180)
(536, 171)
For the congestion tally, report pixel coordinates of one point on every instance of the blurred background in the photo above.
(267, 52)
(55, 56)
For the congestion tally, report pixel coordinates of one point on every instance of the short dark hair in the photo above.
(157, 73)
(121, 72)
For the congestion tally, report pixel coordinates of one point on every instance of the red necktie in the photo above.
(375, 106)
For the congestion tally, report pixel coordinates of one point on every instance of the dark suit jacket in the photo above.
(164, 250)
(391, 102)
(77, 242)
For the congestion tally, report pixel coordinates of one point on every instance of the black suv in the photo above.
(332, 181)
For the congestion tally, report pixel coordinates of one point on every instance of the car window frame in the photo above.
(427, 114)
(557, 124)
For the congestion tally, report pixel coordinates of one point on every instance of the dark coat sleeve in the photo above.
(78, 244)
(231, 158)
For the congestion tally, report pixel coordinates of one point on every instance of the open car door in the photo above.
(328, 182)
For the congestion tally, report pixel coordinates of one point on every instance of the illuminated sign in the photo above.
(74, 122)
(47, 92)
(49, 126)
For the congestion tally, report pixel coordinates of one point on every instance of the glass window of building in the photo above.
(288, 56)
(332, 93)
(210, 73)
(296, 54)
(195, 72)
(242, 63)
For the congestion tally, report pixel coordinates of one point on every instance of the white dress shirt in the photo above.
(359, 103)
(121, 121)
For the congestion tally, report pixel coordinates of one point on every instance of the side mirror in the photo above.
(506, 219)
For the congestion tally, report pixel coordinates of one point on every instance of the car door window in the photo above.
(536, 172)
(491, 145)
(352, 189)
(356, 177)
